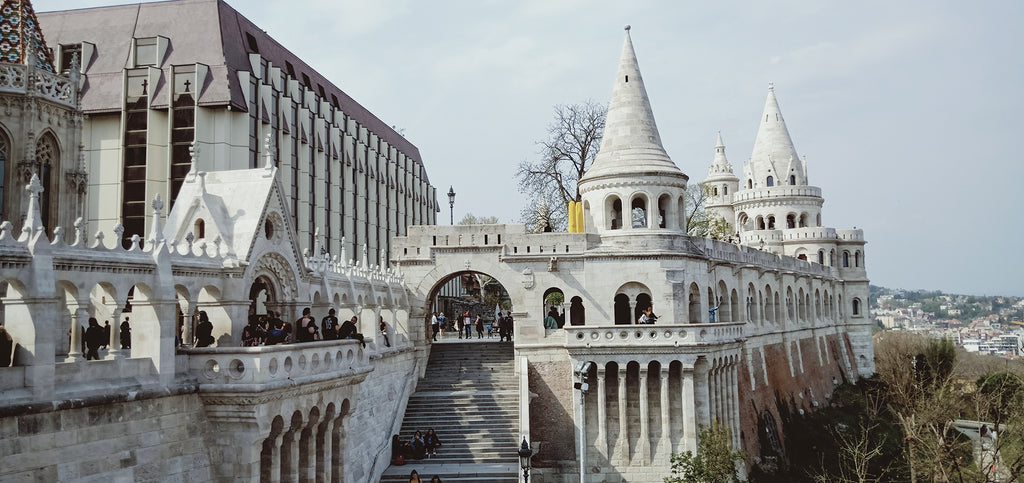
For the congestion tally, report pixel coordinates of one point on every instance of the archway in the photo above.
(262, 296)
(554, 299)
(473, 292)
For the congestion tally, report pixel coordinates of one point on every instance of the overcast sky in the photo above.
(907, 112)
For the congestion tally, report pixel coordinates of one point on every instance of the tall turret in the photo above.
(774, 161)
(633, 184)
(721, 184)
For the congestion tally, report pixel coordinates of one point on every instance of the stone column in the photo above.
(77, 316)
(713, 391)
(702, 394)
(324, 443)
(271, 466)
(622, 442)
(643, 448)
(734, 387)
(665, 444)
(115, 334)
(602, 418)
(188, 324)
(290, 454)
(689, 419)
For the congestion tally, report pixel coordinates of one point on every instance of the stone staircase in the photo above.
(470, 396)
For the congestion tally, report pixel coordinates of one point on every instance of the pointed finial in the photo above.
(193, 154)
(156, 234)
(270, 154)
(33, 219)
(627, 27)
(771, 86)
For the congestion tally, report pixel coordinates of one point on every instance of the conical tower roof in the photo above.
(720, 168)
(773, 148)
(21, 38)
(631, 143)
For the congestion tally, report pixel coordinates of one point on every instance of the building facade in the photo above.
(160, 78)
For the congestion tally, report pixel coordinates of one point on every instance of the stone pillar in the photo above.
(665, 444)
(689, 419)
(734, 388)
(80, 313)
(115, 334)
(324, 443)
(270, 469)
(702, 400)
(290, 455)
(602, 418)
(188, 324)
(643, 448)
(713, 391)
(622, 442)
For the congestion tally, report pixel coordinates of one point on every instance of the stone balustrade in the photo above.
(654, 335)
(268, 366)
(52, 87)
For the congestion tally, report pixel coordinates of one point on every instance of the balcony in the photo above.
(653, 336)
(52, 87)
(252, 369)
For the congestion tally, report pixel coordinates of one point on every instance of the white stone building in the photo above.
(157, 77)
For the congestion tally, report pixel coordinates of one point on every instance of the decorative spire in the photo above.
(33, 219)
(720, 168)
(156, 234)
(23, 41)
(193, 154)
(773, 148)
(631, 141)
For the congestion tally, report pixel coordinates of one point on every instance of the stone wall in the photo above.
(552, 427)
(157, 438)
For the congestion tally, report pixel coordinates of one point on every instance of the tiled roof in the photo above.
(20, 35)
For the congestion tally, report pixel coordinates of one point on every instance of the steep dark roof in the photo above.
(209, 32)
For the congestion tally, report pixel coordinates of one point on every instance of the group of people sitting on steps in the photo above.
(414, 477)
(419, 447)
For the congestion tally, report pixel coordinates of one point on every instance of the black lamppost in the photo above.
(525, 453)
(451, 203)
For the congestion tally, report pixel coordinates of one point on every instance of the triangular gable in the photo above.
(334, 151)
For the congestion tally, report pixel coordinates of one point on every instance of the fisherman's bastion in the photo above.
(150, 185)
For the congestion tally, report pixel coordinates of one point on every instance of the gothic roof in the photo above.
(721, 169)
(21, 40)
(209, 32)
(773, 153)
(631, 142)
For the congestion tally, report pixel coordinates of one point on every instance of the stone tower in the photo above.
(40, 124)
(633, 185)
(721, 185)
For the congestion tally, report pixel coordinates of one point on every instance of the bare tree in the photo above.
(569, 150)
(698, 221)
(471, 219)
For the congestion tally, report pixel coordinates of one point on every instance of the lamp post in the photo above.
(525, 453)
(451, 204)
(583, 369)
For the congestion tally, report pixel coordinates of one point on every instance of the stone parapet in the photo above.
(239, 367)
(653, 336)
(15, 79)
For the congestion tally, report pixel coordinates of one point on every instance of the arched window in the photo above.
(48, 156)
(638, 212)
(821, 257)
(622, 310)
(771, 222)
(831, 258)
(725, 189)
(759, 222)
(663, 207)
(577, 314)
(856, 258)
(846, 259)
(200, 229)
(750, 184)
(803, 220)
(615, 213)
(553, 301)
(817, 220)
(790, 221)
(802, 256)
(714, 191)
(856, 306)
(694, 307)
(792, 180)
(642, 302)
(771, 181)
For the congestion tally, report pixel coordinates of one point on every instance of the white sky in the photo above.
(907, 112)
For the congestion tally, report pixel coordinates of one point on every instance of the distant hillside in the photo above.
(948, 306)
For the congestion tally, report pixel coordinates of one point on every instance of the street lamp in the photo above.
(525, 453)
(451, 203)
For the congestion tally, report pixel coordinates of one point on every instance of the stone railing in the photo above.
(52, 87)
(679, 335)
(277, 364)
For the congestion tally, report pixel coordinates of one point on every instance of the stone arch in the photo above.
(846, 258)
(621, 309)
(742, 221)
(855, 307)
(856, 259)
(769, 305)
(546, 308)
(723, 303)
(664, 211)
(27, 332)
(613, 212)
(290, 470)
(632, 290)
(48, 156)
(790, 305)
(791, 220)
(277, 269)
(801, 305)
(694, 311)
(577, 312)
(734, 307)
(759, 223)
(681, 212)
(270, 455)
(639, 211)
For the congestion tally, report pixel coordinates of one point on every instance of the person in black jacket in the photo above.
(93, 339)
(204, 330)
(348, 331)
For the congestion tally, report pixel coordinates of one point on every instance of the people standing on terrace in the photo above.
(106, 335)
(348, 331)
(443, 324)
(479, 327)
(204, 330)
(305, 328)
(551, 321)
(252, 334)
(126, 334)
(6, 347)
(93, 339)
(330, 326)
(459, 322)
(384, 332)
(468, 324)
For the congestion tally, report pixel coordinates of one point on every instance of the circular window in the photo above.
(268, 228)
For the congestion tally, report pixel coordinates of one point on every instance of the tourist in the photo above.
(443, 324)
(644, 316)
(468, 324)
(6, 347)
(431, 443)
(479, 327)
(276, 334)
(419, 448)
(414, 477)
(93, 339)
(435, 479)
(551, 321)
(106, 335)
(458, 325)
(434, 325)
(348, 331)
(204, 330)
(305, 328)
(399, 450)
(252, 333)
(511, 327)
(126, 334)
(384, 332)
(330, 325)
